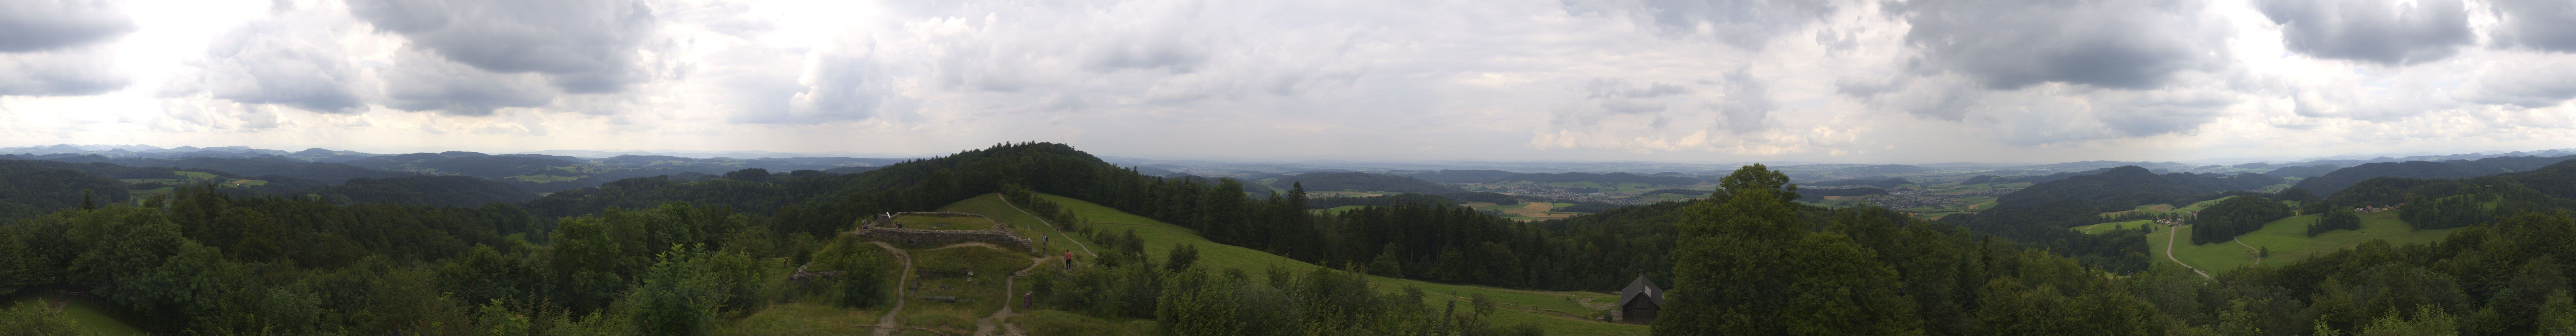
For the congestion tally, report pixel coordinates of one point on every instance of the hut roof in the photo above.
(1641, 289)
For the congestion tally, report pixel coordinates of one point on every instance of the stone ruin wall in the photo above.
(880, 228)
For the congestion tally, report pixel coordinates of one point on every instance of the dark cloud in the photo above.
(1743, 23)
(2537, 24)
(2104, 43)
(285, 63)
(57, 73)
(580, 46)
(40, 25)
(427, 83)
(2373, 31)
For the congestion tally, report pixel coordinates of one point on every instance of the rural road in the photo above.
(2169, 243)
(887, 323)
(1086, 249)
(2258, 253)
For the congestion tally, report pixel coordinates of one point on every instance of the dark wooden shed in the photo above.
(1638, 303)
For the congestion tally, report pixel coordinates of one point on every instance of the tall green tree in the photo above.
(1748, 265)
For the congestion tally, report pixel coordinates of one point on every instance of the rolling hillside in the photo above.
(2287, 238)
(1560, 313)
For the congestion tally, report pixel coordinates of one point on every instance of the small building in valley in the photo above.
(1638, 303)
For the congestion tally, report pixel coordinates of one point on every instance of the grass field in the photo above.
(89, 314)
(803, 319)
(2288, 240)
(1560, 313)
(943, 223)
(2112, 226)
(1525, 211)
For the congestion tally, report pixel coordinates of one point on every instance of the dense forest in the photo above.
(2235, 217)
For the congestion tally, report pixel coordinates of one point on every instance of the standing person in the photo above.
(1068, 260)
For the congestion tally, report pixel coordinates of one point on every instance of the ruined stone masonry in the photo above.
(881, 228)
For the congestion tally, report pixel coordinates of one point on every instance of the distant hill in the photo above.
(318, 171)
(2336, 181)
(1887, 169)
(485, 166)
(29, 188)
(1818, 195)
(463, 191)
(1887, 183)
(1463, 176)
(2303, 171)
(1611, 178)
(2129, 186)
(1364, 181)
(2039, 178)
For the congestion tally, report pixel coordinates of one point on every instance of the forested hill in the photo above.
(460, 191)
(325, 172)
(2336, 181)
(28, 188)
(2041, 213)
(1462, 176)
(1357, 181)
(2128, 186)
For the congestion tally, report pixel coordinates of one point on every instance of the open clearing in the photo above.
(88, 313)
(1557, 312)
(2288, 240)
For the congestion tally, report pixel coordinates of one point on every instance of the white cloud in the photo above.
(1851, 80)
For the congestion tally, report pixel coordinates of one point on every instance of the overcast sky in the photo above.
(1652, 80)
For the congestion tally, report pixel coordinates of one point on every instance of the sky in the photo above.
(1653, 80)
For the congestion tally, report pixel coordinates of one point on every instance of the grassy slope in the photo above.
(88, 315)
(2288, 240)
(1554, 311)
(2108, 227)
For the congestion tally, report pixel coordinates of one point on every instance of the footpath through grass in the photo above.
(1557, 312)
(2288, 241)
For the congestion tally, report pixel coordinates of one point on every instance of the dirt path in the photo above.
(2169, 244)
(2258, 253)
(892, 319)
(1086, 249)
(989, 324)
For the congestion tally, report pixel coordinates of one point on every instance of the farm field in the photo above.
(1560, 313)
(2287, 238)
(1525, 211)
(2112, 226)
(2159, 209)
